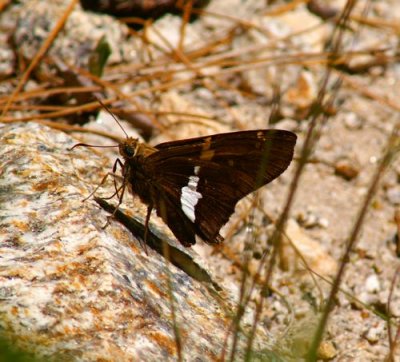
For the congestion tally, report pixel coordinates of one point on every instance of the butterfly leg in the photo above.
(120, 198)
(99, 185)
(117, 162)
(117, 189)
(114, 170)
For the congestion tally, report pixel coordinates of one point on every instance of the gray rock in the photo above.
(73, 290)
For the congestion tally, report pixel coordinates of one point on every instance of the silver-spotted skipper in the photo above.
(194, 184)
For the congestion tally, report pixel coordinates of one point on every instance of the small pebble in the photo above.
(373, 160)
(365, 298)
(351, 121)
(309, 219)
(374, 334)
(303, 92)
(321, 9)
(326, 350)
(323, 223)
(372, 284)
(347, 169)
(317, 258)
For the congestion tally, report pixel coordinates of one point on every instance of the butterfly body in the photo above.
(136, 172)
(194, 184)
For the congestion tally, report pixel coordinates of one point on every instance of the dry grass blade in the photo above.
(40, 54)
(393, 340)
(172, 302)
(311, 138)
(391, 152)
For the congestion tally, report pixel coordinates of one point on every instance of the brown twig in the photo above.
(40, 54)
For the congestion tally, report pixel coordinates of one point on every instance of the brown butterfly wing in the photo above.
(172, 214)
(223, 168)
(213, 208)
(247, 151)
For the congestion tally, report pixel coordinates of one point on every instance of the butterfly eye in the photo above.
(129, 151)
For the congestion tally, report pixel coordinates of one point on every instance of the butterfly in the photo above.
(194, 184)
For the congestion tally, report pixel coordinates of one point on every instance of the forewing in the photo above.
(263, 154)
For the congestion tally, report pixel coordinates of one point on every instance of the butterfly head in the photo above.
(129, 148)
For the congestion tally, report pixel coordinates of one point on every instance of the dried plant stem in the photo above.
(177, 334)
(40, 54)
(392, 150)
(392, 341)
(309, 144)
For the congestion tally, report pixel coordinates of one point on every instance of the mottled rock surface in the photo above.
(71, 288)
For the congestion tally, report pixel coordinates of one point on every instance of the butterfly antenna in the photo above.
(112, 115)
(88, 145)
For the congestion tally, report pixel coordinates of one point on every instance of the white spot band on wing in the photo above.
(190, 197)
